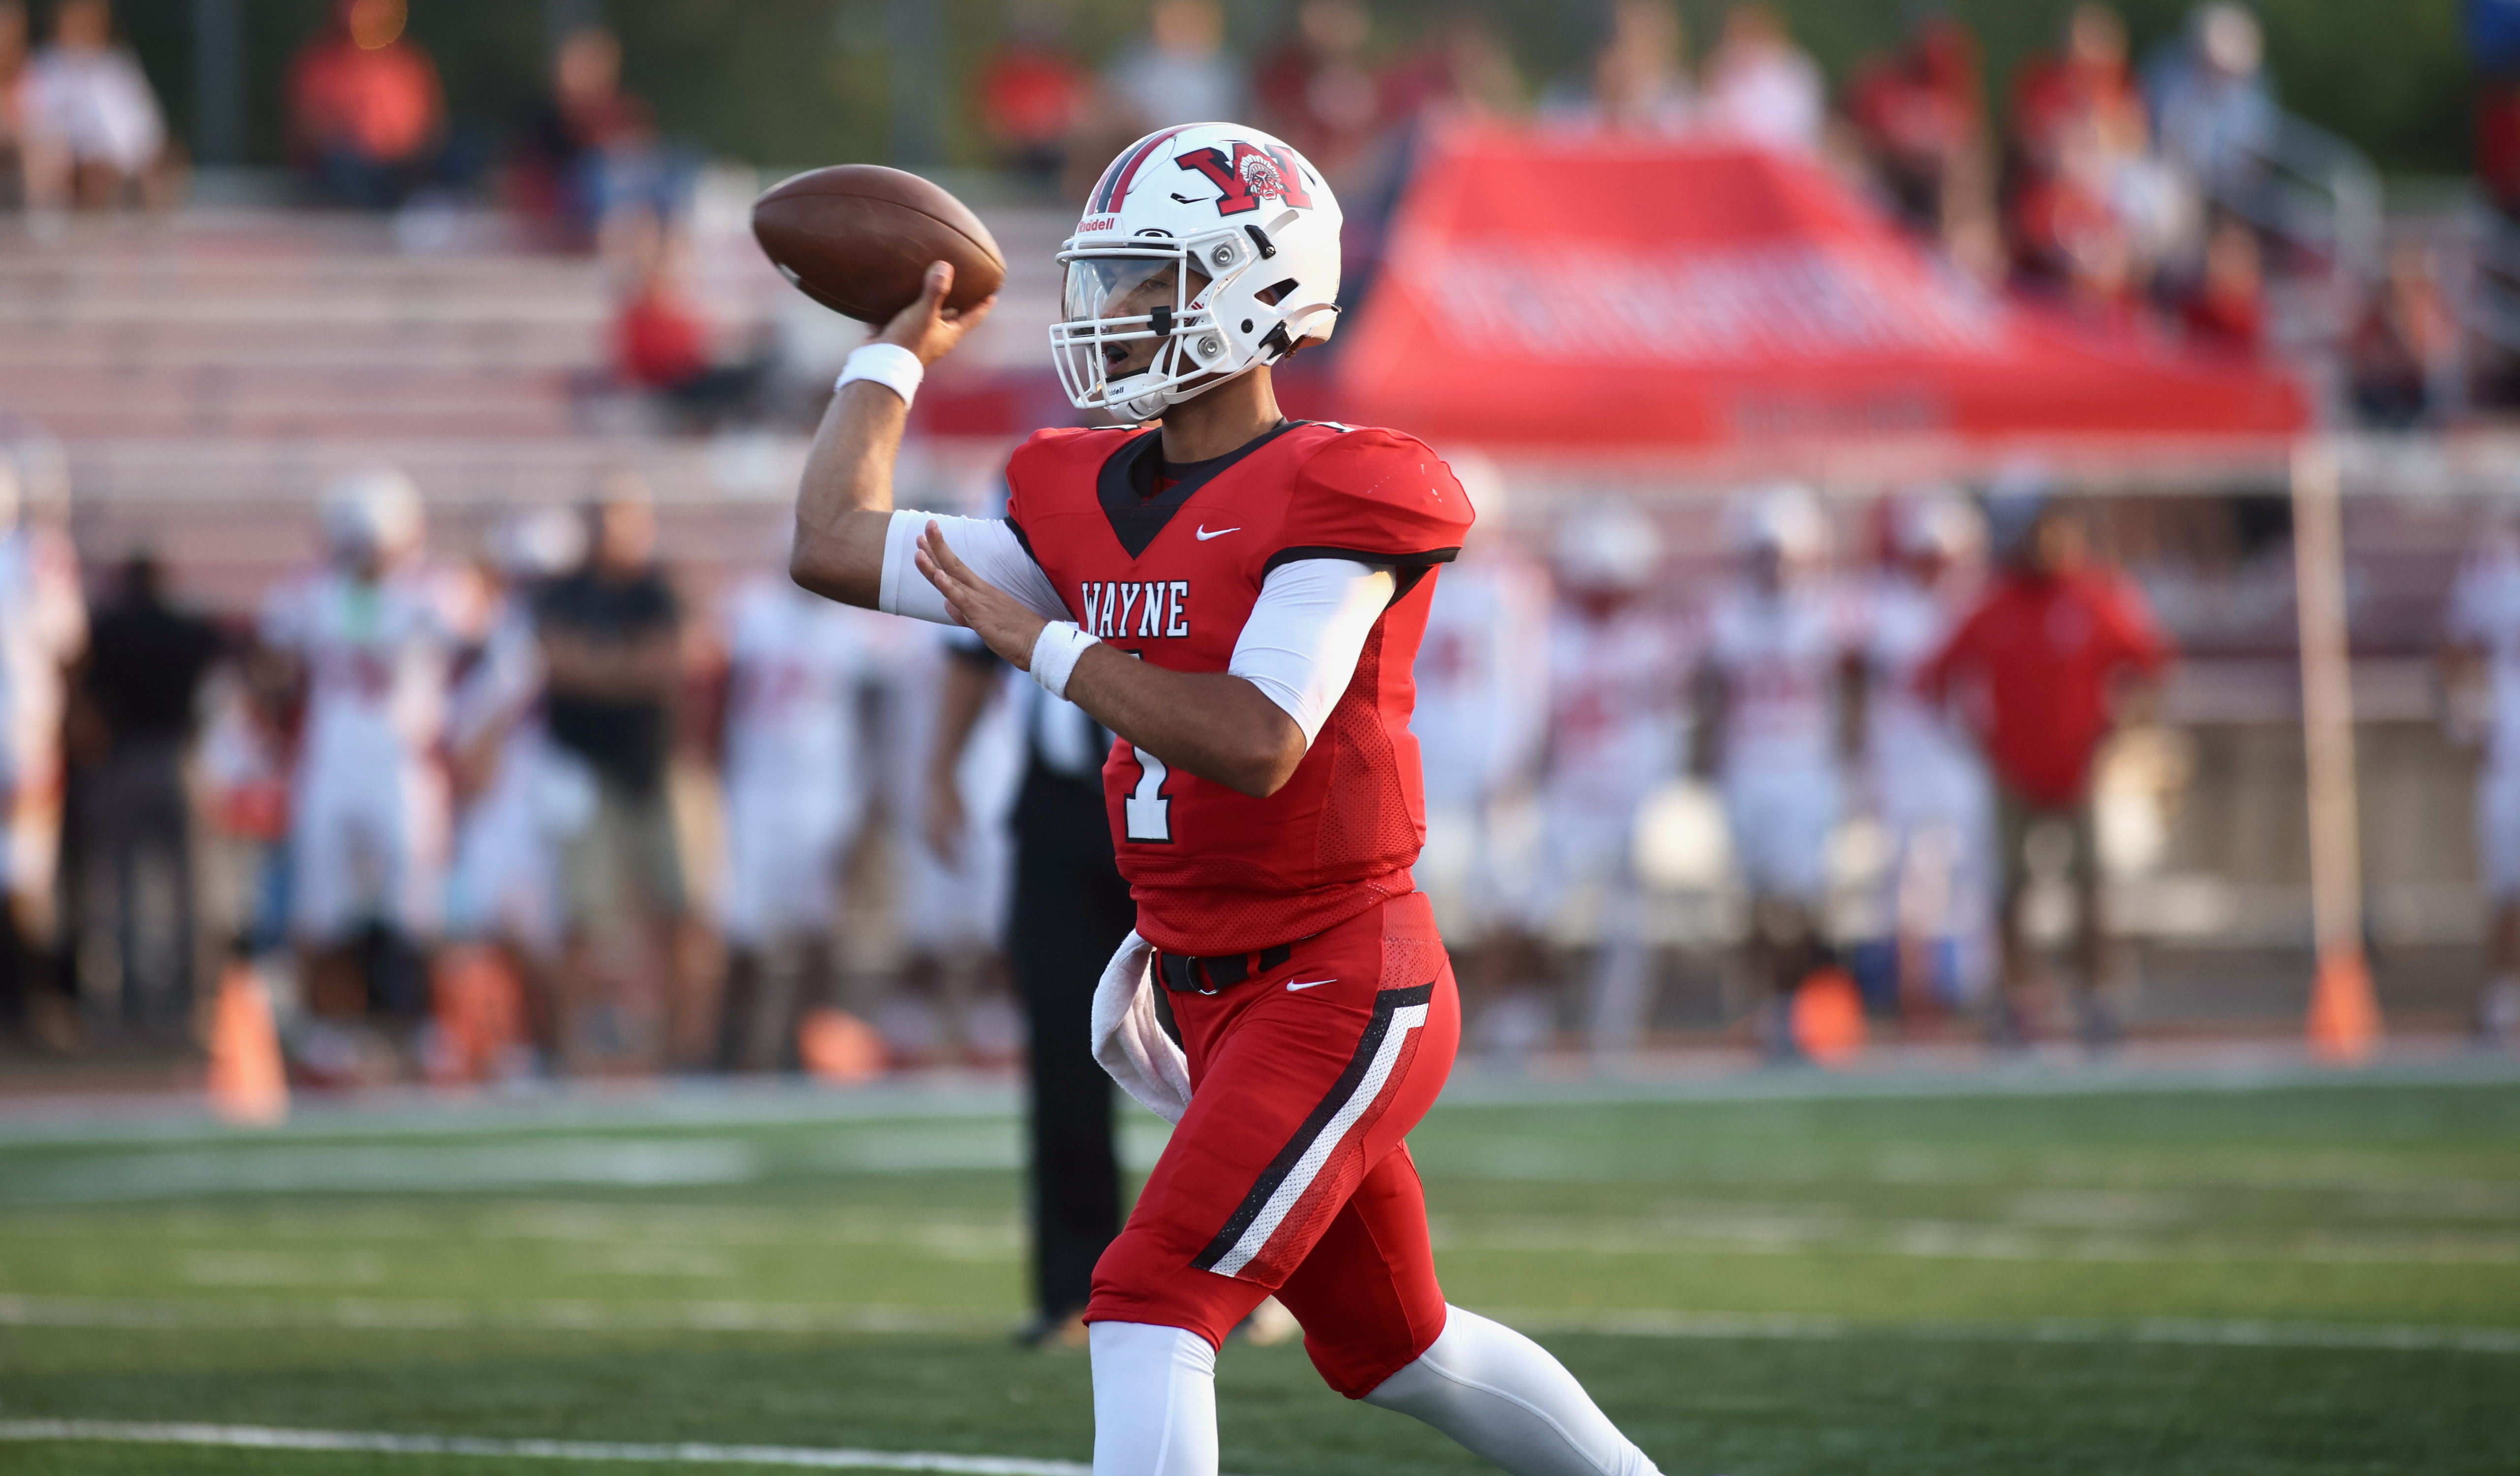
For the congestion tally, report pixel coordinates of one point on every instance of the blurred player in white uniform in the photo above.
(503, 888)
(43, 628)
(796, 789)
(953, 896)
(1927, 783)
(1776, 656)
(1482, 677)
(368, 825)
(1617, 665)
(2481, 629)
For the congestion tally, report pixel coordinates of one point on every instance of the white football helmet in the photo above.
(1783, 520)
(372, 517)
(1250, 233)
(1936, 521)
(541, 542)
(1605, 547)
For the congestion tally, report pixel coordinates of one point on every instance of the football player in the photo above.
(2481, 632)
(1238, 597)
(1617, 669)
(1776, 643)
(43, 628)
(369, 805)
(1482, 674)
(794, 781)
(950, 1000)
(502, 888)
(1927, 782)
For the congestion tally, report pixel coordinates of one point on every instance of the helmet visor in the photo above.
(1119, 287)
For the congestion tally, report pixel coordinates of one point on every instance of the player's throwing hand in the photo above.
(928, 327)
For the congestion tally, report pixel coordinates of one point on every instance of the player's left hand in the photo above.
(1009, 629)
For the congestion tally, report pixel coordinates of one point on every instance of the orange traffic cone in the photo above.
(248, 1084)
(1828, 1016)
(2344, 1016)
(479, 1011)
(839, 1047)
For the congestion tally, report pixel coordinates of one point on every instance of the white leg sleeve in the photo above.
(1501, 1394)
(1155, 1401)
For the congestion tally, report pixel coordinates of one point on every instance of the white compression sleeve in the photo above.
(1502, 1396)
(987, 544)
(1300, 645)
(1155, 1401)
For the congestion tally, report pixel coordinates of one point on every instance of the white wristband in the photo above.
(1055, 654)
(891, 365)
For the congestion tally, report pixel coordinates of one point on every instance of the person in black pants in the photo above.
(1069, 913)
(146, 662)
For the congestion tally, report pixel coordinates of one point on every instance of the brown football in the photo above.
(857, 239)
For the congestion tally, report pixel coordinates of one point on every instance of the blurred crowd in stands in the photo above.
(2148, 194)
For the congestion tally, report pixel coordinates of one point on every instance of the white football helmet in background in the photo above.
(1936, 521)
(1605, 547)
(1251, 232)
(545, 542)
(1783, 521)
(372, 517)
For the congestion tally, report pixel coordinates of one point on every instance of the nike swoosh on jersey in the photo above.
(1205, 535)
(1312, 983)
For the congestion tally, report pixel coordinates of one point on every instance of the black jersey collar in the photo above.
(1136, 519)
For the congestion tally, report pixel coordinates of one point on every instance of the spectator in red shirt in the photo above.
(662, 335)
(2405, 345)
(2226, 314)
(2040, 669)
(1033, 93)
(2069, 238)
(2088, 86)
(591, 148)
(1922, 122)
(366, 113)
(1315, 91)
(1460, 69)
(12, 78)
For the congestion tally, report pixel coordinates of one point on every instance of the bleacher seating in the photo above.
(209, 371)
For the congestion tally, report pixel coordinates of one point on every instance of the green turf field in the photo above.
(2164, 1278)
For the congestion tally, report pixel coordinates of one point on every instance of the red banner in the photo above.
(1637, 294)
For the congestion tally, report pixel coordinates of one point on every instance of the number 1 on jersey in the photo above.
(1147, 809)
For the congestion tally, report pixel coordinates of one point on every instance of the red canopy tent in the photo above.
(1634, 295)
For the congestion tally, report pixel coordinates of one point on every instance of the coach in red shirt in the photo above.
(2042, 669)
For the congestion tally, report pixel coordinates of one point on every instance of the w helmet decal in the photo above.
(1248, 175)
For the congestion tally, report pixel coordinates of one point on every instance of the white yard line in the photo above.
(1681, 1077)
(682, 1453)
(354, 1313)
(430, 1316)
(2175, 1332)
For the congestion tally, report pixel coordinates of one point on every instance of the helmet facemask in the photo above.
(1148, 322)
(1126, 326)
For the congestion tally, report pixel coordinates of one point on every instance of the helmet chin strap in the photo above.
(1145, 408)
(1153, 403)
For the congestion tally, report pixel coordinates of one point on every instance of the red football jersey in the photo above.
(1171, 578)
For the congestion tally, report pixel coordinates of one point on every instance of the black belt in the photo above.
(1182, 974)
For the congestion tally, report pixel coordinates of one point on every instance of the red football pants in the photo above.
(1288, 1174)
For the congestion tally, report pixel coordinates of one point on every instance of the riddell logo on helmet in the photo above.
(1097, 223)
(1250, 173)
